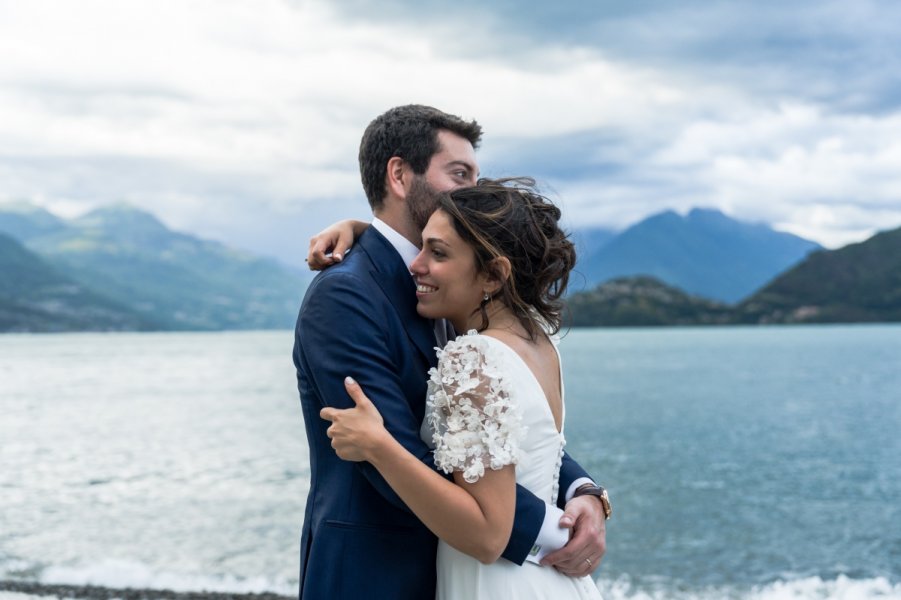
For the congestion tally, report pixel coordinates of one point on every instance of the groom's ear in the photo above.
(397, 177)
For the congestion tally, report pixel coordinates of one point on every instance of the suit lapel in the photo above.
(393, 276)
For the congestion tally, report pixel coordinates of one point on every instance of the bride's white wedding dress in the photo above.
(486, 409)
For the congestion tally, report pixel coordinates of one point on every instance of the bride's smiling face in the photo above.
(448, 285)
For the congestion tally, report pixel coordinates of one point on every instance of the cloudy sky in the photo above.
(239, 120)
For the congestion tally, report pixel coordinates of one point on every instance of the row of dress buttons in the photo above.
(555, 489)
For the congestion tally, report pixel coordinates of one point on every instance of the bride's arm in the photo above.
(329, 245)
(475, 518)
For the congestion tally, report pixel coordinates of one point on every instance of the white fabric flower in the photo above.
(474, 422)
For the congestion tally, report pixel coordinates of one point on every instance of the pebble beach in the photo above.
(16, 590)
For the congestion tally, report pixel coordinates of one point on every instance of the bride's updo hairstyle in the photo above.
(509, 218)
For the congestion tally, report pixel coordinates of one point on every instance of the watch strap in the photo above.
(600, 493)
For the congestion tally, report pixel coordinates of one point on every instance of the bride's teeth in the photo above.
(425, 289)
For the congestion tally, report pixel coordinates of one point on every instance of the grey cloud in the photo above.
(603, 177)
(841, 53)
(71, 98)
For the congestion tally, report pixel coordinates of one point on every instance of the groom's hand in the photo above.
(582, 554)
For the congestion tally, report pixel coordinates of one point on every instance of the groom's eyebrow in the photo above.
(462, 163)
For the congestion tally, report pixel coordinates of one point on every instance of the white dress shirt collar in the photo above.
(404, 247)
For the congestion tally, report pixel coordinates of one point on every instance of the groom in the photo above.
(359, 318)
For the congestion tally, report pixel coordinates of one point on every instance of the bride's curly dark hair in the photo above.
(509, 218)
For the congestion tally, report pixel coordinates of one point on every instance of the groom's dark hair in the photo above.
(409, 132)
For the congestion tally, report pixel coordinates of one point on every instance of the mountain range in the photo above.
(122, 259)
(705, 253)
(119, 268)
(642, 301)
(35, 296)
(858, 283)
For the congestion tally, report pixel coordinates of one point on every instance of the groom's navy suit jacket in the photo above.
(359, 539)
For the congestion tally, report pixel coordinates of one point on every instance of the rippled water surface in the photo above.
(742, 462)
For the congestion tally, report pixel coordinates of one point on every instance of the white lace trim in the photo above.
(473, 421)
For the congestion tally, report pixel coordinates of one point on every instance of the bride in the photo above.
(495, 263)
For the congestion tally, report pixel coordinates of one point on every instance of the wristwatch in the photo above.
(590, 489)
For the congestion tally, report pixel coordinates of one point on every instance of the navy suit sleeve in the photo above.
(345, 332)
(569, 472)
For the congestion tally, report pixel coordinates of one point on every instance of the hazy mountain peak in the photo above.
(123, 215)
(24, 220)
(23, 207)
(705, 252)
(708, 215)
(706, 211)
(168, 279)
(718, 220)
(666, 216)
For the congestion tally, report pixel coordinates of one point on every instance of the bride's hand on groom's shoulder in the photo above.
(329, 246)
(355, 432)
(588, 541)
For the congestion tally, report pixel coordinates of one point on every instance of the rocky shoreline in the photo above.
(93, 592)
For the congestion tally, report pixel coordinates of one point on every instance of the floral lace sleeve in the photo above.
(473, 422)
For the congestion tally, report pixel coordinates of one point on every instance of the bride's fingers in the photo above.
(362, 401)
(341, 247)
(318, 256)
(355, 392)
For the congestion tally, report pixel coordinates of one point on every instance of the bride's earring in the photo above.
(485, 300)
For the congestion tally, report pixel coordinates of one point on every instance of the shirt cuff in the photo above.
(551, 537)
(571, 490)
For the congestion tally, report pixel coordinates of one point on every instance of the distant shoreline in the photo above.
(94, 592)
(566, 326)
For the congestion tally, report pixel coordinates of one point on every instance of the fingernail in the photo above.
(349, 381)
(337, 256)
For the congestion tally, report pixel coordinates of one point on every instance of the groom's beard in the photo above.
(422, 200)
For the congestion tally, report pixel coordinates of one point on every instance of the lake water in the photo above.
(758, 463)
